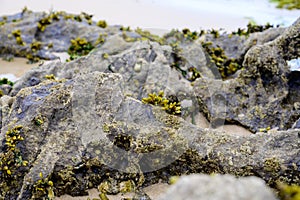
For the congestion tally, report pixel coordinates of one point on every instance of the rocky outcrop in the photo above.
(68, 127)
(261, 95)
(81, 132)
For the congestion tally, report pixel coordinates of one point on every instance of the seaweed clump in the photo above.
(5, 81)
(288, 192)
(169, 105)
(79, 47)
(17, 35)
(252, 28)
(287, 4)
(12, 165)
(43, 188)
(226, 66)
(44, 22)
(102, 23)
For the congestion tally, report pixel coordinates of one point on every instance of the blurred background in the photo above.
(166, 14)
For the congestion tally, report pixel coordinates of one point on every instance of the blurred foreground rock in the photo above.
(216, 187)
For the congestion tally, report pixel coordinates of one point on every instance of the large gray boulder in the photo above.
(263, 93)
(216, 187)
(81, 132)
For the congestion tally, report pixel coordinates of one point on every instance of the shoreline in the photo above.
(167, 15)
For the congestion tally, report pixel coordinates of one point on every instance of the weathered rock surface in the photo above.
(59, 29)
(263, 94)
(89, 127)
(84, 131)
(215, 187)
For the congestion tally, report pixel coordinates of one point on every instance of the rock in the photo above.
(215, 187)
(52, 32)
(80, 132)
(262, 95)
(73, 126)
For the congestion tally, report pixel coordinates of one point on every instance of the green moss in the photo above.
(171, 107)
(288, 192)
(102, 23)
(287, 4)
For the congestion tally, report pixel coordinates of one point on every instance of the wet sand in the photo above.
(17, 67)
(153, 191)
